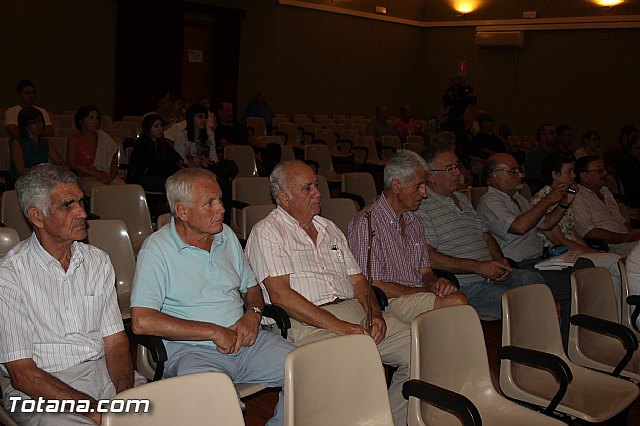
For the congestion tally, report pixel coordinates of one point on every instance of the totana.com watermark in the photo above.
(80, 406)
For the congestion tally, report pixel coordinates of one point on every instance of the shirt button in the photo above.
(66, 307)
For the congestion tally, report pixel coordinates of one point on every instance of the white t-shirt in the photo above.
(11, 115)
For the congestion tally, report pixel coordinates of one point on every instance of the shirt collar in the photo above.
(391, 215)
(218, 239)
(45, 258)
(318, 221)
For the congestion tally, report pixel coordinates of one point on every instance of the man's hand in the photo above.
(378, 329)
(495, 270)
(225, 340)
(442, 287)
(246, 330)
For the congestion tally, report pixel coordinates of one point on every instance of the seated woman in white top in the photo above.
(196, 144)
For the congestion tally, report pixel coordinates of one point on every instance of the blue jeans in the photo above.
(486, 296)
(261, 363)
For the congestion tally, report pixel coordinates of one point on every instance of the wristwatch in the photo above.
(256, 310)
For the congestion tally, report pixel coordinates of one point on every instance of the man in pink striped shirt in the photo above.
(399, 253)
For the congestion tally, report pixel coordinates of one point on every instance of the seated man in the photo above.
(61, 333)
(27, 92)
(513, 222)
(380, 126)
(194, 287)
(306, 267)
(400, 263)
(460, 243)
(229, 131)
(596, 211)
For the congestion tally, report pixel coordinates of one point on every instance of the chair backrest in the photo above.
(391, 142)
(133, 126)
(119, 132)
(476, 193)
(336, 381)
(127, 203)
(12, 215)
(258, 125)
(244, 158)
(461, 343)
(9, 237)
(183, 400)
(291, 130)
(60, 143)
(320, 154)
(252, 215)
(323, 185)
(361, 184)
(162, 220)
(112, 236)
(625, 311)
(250, 190)
(328, 136)
(63, 120)
(415, 139)
(64, 132)
(340, 211)
(263, 141)
(287, 154)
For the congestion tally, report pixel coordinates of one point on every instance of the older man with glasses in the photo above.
(596, 212)
(460, 243)
(514, 223)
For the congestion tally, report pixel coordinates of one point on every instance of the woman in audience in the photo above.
(558, 168)
(590, 145)
(196, 144)
(153, 158)
(92, 153)
(31, 148)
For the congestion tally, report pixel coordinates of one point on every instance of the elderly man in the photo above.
(27, 92)
(514, 223)
(380, 126)
(305, 265)
(596, 212)
(400, 263)
(61, 333)
(194, 287)
(460, 243)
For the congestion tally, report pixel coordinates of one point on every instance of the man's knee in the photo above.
(454, 299)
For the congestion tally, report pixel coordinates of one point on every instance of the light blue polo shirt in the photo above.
(187, 282)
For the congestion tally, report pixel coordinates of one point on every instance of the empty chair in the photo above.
(244, 158)
(163, 219)
(390, 144)
(127, 203)
(133, 126)
(9, 237)
(321, 155)
(65, 132)
(530, 323)
(340, 211)
(626, 311)
(251, 191)
(184, 400)
(291, 133)
(12, 215)
(119, 132)
(63, 120)
(367, 152)
(337, 381)
(111, 236)
(476, 192)
(461, 343)
(287, 154)
(361, 184)
(263, 141)
(257, 126)
(323, 186)
(593, 295)
(252, 215)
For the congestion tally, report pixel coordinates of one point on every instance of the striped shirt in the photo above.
(453, 231)
(56, 318)
(394, 258)
(279, 246)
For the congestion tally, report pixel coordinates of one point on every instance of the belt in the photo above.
(334, 302)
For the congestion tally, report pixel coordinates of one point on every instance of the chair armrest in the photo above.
(155, 345)
(543, 361)
(280, 316)
(597, 244)
(444, 399)
(355, 197)
(634, 300)
(381, 297)
(612, 329)
(364, 149)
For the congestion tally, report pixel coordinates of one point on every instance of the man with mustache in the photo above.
(61, 333)
(400, 263)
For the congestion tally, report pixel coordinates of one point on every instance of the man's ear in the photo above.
(35, 216)
(395, 186)
(181, 212)
(283, 197)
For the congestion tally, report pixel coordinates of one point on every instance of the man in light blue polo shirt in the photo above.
(194, 287)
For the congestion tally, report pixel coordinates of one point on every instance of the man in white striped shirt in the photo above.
(304, 265)
(61, 333)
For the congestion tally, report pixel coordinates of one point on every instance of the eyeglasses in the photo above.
(449, 169)
(514, 172)
(600, 170)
